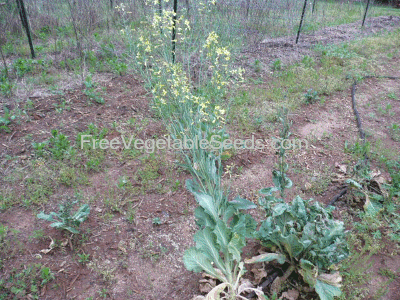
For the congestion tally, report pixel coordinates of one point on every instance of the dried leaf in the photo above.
(290, 295)
(333, 279)
(215, 293)
(259, 274)
(245, 286)
(51, 246)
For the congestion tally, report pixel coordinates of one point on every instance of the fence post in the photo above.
(174, 30)
(25, 24)
(301, 20)
(365, 14)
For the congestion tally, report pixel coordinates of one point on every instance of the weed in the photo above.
(123, 183)
(83, 258)
(131, 214)
(394, 132)
(311, 96)
(103, 293)
(6, 119)
(156, 221)
(257, 66)
(94, 132)
(5, 85)
(46, 275)
(90, 91)
(308, 61)
(393, 96)
(60, 145)
(37, 235)
(26, 283)
(277, 65)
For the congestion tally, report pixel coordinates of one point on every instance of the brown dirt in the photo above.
(287, 51)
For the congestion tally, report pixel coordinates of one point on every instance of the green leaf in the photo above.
(371, 207)
(309, 272)
(206, 242)
(292, 245)
(196, 261)
(354, 183)
(280, 258)
(279, 209)
(202, 218)
(57, 225)
(240, 203)
(207, 202)
(244, 225)
(268, 191)
(235, 246)
(46, 217)
(82, 214)
(70, 229)
(223, 234)
(326, 291)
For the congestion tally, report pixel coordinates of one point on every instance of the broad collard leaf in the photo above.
(57, 224)
(202, 218)
(354, 183)
(240, 203)
(371, 207)
(195, 260)
(82, 214)
(70, 229)
(268, 191)
(309, 272)
(49, 217)
(266, 257)
(223, 234)
(244, 225)
(299, 209)
(206, 242)
(236, 245)
(292, 245)
(279, 209)
(207, 202)
(326, 291)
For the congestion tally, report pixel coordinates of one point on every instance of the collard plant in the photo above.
(307, 238)
(219, 243)
(64, 219)
(299, 234)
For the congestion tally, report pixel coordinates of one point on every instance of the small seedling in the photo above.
(257, 66)
(6, 119)
(393, 96)
(46, 275)
(90, 91)
(64, 220)
(311, 96)
(83, 258)
(157, 221)
(277, 65)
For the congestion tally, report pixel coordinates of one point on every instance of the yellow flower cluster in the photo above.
(223, 51)
(211, 39)
(120, 7)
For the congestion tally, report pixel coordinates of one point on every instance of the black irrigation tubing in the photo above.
(359, 125)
